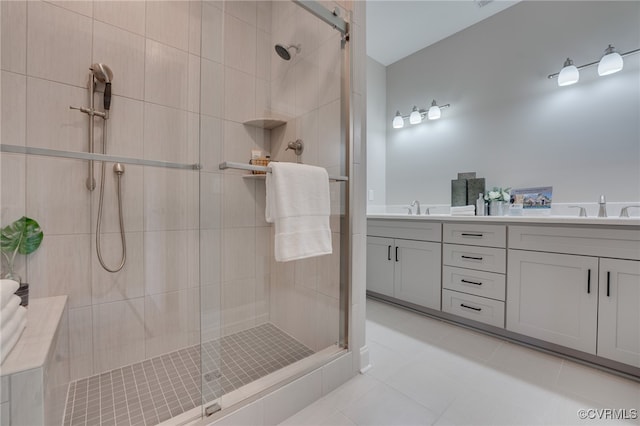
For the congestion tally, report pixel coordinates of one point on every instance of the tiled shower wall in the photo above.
(152, 305)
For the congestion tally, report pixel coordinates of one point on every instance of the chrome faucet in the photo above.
(602, 212)
(416, 203)
(625, 211)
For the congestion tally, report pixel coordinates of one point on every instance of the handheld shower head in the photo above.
(103, 74)
(285, 51)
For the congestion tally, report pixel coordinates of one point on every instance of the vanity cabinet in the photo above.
(619, 311)
(403, 268)
(473, 272)
(564, 286)
(554, 297)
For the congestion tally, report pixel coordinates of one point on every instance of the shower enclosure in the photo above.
(200, 317)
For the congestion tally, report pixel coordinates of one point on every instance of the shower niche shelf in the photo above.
(266, 123)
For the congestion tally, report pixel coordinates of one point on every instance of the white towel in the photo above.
(298, 205)
(9, 310)
(11, 340)
(7, 289)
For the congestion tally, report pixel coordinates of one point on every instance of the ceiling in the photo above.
(398, 28)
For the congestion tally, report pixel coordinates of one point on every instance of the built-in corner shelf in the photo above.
(265, 123)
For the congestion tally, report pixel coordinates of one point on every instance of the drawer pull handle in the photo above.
(471, 257)
(465, 234)
(470, 282)
(589, 281)
(470, 307)
(608, 283)
(397, 254)
(388, 252)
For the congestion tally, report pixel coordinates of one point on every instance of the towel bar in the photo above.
(241, 166)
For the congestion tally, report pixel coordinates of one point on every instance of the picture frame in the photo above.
(531, 201)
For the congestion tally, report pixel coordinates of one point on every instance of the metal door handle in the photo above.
(396, 253)
(464, 234)
(589, 281)
(470, 307)
(471, 257)
(470, 282)
(388, 252)
(608, 283)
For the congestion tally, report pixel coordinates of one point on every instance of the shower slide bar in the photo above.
(241, 166)
(16, 149)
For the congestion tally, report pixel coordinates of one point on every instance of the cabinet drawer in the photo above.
(405, 229)
(475, 235)
(615, 243)
(479, 283)
(488, 311)
(483, 258)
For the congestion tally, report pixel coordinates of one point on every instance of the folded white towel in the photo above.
(7, 289)
(463, 214)
(9, 310)
(7, 346)
(298, 205)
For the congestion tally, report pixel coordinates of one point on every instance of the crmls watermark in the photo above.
(608, 414)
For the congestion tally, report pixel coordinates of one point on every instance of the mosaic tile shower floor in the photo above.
(152, 391)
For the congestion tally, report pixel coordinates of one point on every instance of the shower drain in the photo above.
(212, 375)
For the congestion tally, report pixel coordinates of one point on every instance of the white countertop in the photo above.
(43, 316)
(549, 220)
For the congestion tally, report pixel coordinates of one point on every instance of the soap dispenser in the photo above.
(480, 205)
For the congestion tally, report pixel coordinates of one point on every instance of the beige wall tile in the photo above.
(238, 254)
(78, 6)
(128, 283)
(123, 52)
(193, 101)
(14, 108)
(240, 96)
(195, 26)
(61, 266)
(165, 134)
(124, 128)
(14, 36)
(131, 184)
(240, 37)
(238, 305)
(166, 74)
(327, 321)
(210, 257)
(170, 199)
(210, 143)
(211, 196)
(170, 260)
(62, 207)
(168, 23)
(212, 35)
(27, 398)
(81, 342)
(118, 334)
(246, 11)
(238, 142)
(212, 88)
(58, 44)
(239, 201)
(12, 187)
(329, 135)
(50, 122)
(128, 15)
(166, 322)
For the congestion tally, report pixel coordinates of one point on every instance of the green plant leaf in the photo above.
(24, 235)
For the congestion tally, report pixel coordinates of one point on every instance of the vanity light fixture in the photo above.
(610, 63)
(418, 115)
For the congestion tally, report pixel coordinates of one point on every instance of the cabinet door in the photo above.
(417, 273)
(380, 262)
(619, 313)
(553, 297)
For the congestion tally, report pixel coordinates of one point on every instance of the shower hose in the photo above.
(119, 170)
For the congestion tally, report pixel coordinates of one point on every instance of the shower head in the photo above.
(284, 51)
(103, 74)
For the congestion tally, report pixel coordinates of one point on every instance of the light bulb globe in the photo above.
(415, 117)
(610, 63)
(398, 122)
(569, 74)
(434, 112)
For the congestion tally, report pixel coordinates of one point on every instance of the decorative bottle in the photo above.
(480, 205)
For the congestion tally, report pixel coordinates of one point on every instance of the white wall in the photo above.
(376, 130)
(507, 121)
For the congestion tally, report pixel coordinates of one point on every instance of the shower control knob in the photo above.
(297, 146)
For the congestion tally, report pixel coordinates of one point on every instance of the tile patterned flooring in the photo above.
(154, 390)
(428, 372)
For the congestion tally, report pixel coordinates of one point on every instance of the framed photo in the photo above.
(532, 200)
